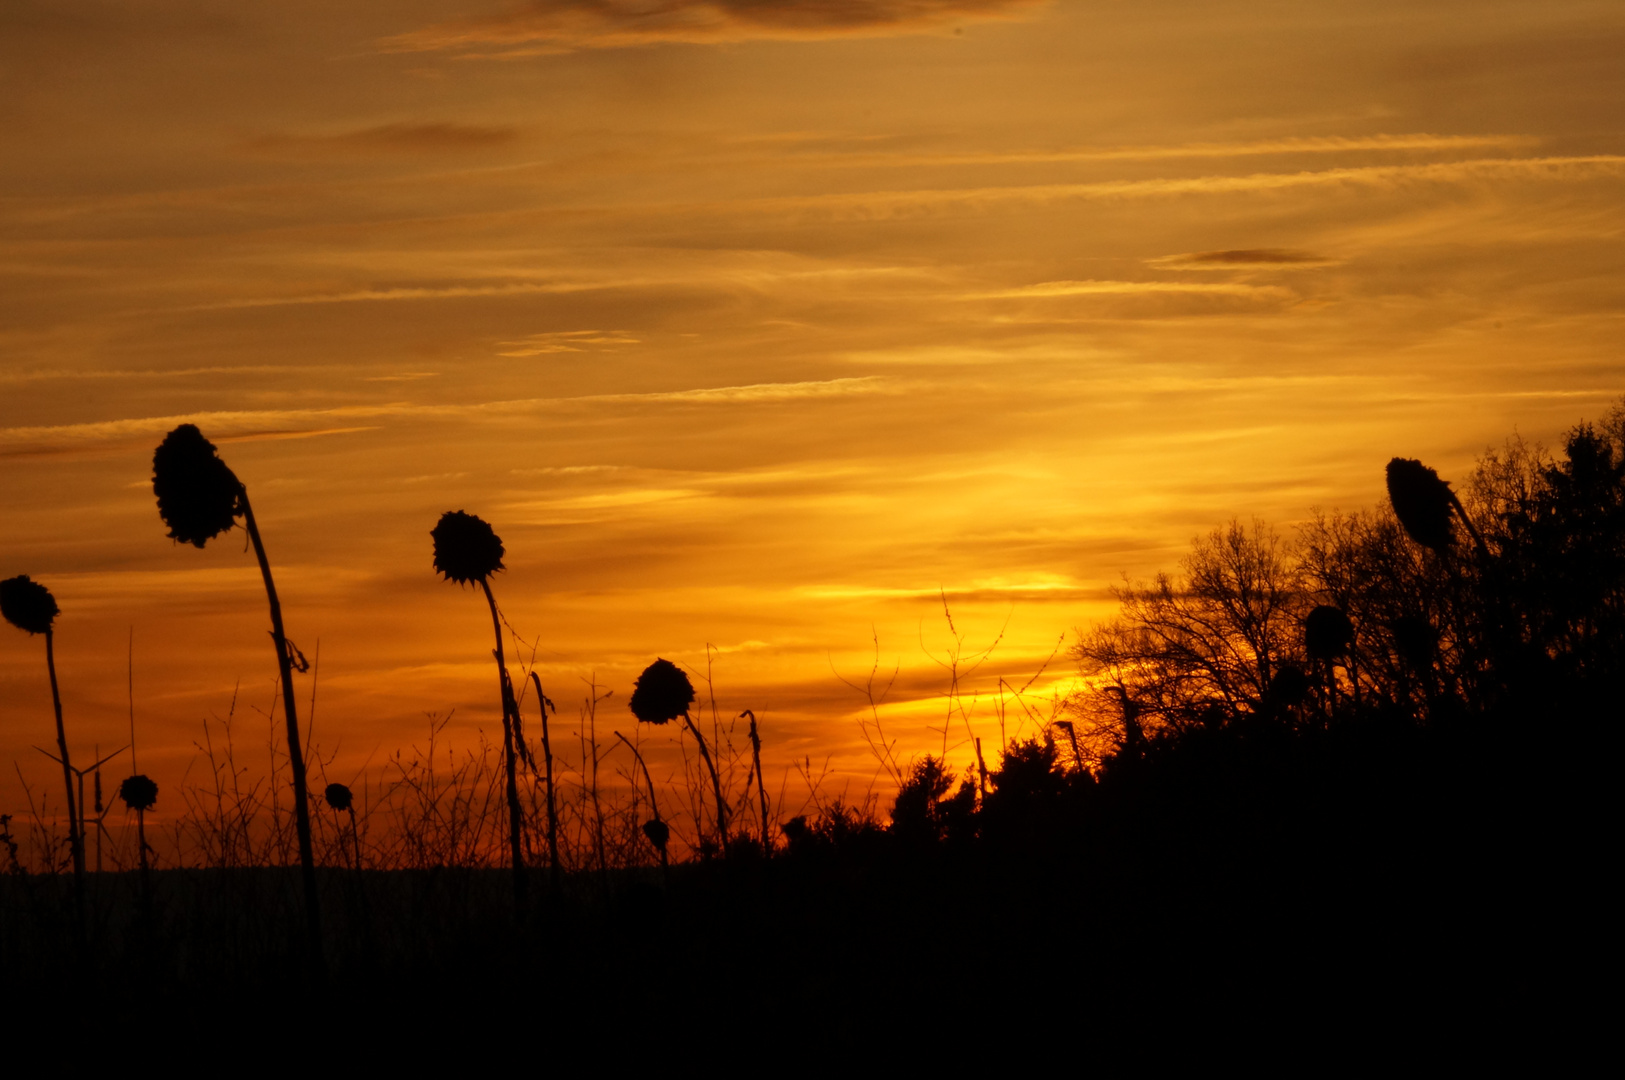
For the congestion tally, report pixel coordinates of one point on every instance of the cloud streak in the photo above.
(259, 425)
(554, 26)
(892, 204)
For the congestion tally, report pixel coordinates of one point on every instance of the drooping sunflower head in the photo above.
(338, 796)
(1421, 502)
(466, 549)
(199, 497)
(27, 604)
(662, 693)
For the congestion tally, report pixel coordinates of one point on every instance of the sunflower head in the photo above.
(661, 693)
(27, 604)
(199, 497)
(1415, 640)
(338, 796)
(658, 833)
(1327, 633)
(138, 792)
(466, 549)
(1421, 502)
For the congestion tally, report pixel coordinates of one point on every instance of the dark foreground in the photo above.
(1386, 877)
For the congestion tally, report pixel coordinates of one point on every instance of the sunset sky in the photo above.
(762, 325)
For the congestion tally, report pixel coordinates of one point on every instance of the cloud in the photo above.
(259, 425)
(1047, 289)
(1240, 259)
(552, 26)
(420, 138)
(883, 205)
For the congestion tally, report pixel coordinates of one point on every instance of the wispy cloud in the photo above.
(566, 25)
(1240, 259)
(565, 341)
(892, 204)
(1046, 289)
(254, 425)
(1329, 144)
(437, 137)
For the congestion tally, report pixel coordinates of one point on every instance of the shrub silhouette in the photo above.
(662, 694)
(199, 498)
(468, 551)
(29, 606)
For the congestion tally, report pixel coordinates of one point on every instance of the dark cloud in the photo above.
(564, 25)
(1240, 258)
(423, 138)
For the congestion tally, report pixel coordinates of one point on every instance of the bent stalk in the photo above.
(296, 754)
(509, 711)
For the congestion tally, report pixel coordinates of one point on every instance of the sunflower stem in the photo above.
(75, 840)
(716, 786)
(509, 709)
(296, 756)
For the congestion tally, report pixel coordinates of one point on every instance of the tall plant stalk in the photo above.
(29, 606)
(761, 788)
(296, 753)
(76, 840)
(199, 497)
(552, 804)
(468, 551)
(510, 716)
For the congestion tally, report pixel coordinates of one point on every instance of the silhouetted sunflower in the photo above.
(1421, 502)
(138, 792)
(466, 549)
(199, 497)
(1327, 633)
(338, 796)
(661, 693)
(657, 832)
(28, 605)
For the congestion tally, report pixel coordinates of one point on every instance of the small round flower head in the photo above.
(661, 693)
(27, 604)
(338, 796)
(1327, 633)
(1290, 685)
(466, 549)
(199, 497)
(1421, 502)
(138, 792)
(657, 832)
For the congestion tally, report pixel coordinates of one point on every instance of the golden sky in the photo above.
(754, 324)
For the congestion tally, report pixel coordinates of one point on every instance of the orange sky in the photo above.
(751, 324)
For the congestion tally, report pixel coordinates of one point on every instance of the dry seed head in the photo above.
(466, 549)
(28, 605)
(661, 693)
(1327, 633)
(138, 792)
(338, 796)
(199, 497)
(657, 832)
(1421, 502)
(1415, 640)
